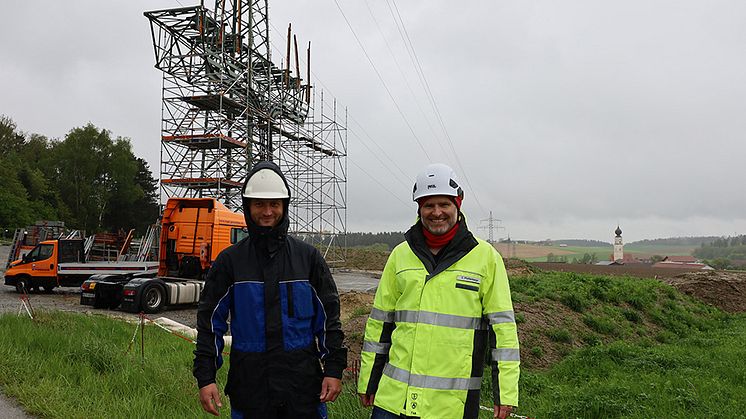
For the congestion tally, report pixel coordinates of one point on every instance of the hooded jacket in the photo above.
(278, 297)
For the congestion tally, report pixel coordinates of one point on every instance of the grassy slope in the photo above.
(631, 348)
(66, 365)
(602, 253)
(702, 375)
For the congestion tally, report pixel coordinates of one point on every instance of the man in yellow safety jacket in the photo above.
(443, 299)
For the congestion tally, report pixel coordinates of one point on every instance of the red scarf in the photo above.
(436, 242)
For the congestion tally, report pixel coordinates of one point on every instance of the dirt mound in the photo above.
(722, 289)
(518, 267)
(355, 307)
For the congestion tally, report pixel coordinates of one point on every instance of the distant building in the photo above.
(609, 263)
(685, 262)
(618, 245)
(680, 259)
(682, 265)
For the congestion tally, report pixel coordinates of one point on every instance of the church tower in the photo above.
(618, 245)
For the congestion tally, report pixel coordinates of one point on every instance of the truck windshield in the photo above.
(40, 252)
(238, 234)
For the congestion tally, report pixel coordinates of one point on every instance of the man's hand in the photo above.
(367, 399)
(503, 411)
(330, 389)
(209, 396)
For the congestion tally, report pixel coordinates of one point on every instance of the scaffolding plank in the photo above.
(202, 183)
(204, 141)
(213, 103)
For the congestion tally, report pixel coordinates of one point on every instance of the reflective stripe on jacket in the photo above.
(425, 339)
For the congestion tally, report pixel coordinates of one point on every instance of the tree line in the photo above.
(88, 179)
(676, 241)
(724, 252)
(389, 239)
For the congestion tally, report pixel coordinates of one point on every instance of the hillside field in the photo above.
(537, 253)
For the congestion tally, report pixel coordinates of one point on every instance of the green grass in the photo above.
(65, 365)
(662, 250)
(666, 355)
(603, 252)
(702, 375)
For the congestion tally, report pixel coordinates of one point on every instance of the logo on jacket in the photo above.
(469, 279)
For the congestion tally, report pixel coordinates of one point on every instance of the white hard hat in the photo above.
(436, 179)
(266, 184)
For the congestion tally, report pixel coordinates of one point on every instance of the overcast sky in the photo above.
(566, 117)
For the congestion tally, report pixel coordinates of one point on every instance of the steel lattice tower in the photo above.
(226, 106)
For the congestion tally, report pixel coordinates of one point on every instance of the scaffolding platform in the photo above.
(203, 183)
(204, 141)
(214, 103)
(308, 142)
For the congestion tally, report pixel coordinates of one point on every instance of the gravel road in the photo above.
(68, 299)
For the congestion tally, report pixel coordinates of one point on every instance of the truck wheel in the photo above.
(48, 288)
(22, 285)
(153, 299)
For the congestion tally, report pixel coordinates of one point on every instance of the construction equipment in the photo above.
(193, 231)
(61, 262)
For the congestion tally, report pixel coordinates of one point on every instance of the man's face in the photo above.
(438, 214)
(266, 212)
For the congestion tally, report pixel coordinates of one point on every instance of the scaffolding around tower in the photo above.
(226, 106)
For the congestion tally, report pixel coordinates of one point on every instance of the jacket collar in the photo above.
(463, 242)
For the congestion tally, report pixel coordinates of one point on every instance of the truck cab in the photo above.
(39, 267)
(193, 232)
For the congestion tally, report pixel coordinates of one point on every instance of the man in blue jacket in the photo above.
(286, 358)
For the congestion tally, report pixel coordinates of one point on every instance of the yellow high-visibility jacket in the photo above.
(425, 339)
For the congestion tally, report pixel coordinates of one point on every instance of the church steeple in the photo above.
(618, 245)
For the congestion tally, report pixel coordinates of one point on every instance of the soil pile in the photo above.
(354, 310)
(722, 289)
(518, 267)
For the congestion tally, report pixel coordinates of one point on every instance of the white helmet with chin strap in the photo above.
(266, 184)
(437, 179)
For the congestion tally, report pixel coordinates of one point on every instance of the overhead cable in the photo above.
(404, 177)
(391, 96)
(398, 20)
(404, 76)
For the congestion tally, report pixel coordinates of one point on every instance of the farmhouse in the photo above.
(678, 262)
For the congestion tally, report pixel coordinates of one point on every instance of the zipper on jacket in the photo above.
(289, 291)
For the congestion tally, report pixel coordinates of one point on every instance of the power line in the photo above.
(396, 104)
(398, 167)
(404, 77)
(426, 85)
(382, 185)
(376, 143)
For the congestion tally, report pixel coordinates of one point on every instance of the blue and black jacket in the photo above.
(278, 297)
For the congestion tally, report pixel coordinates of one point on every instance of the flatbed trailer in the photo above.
(60, 263)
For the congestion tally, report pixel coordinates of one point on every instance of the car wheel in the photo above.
(153, 299)
(22, 285)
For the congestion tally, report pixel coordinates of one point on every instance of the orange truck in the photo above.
(61, 262)
(193, 232)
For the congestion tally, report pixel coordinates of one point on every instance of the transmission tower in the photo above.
(492, 225)
(226, 106)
